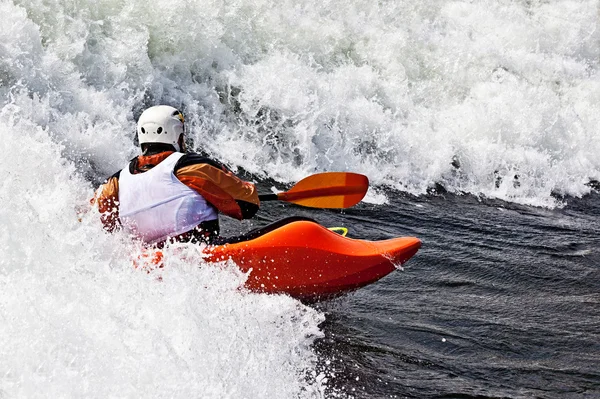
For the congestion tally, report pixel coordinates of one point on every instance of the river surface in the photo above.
(502, 301)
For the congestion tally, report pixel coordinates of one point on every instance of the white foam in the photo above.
(499, 87)
(396, 91)
(399, 91)
(79, 320)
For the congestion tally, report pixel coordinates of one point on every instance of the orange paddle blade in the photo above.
(328, 190)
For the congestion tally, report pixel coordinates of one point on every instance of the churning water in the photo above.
(476, 122)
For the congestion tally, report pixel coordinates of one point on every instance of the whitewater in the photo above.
(490, 99)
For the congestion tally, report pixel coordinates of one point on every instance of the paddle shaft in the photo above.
(268, 197)
(316, 192)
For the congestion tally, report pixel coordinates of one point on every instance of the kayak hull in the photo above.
(310, 262)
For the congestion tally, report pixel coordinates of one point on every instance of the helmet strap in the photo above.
(181, 142)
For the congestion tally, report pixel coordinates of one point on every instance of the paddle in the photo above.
(325, 190)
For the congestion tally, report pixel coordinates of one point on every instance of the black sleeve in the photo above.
(194, 159)
(248, 209)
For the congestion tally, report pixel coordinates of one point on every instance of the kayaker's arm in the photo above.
(228, 193)
(107, 199)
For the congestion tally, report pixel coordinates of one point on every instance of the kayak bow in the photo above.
(310, 262)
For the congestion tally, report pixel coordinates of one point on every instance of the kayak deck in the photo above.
(309, 262)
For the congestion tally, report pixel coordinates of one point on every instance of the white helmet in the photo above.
(160, 124)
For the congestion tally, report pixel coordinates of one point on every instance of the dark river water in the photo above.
(502, 301)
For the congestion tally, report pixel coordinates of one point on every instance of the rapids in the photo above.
(495, 99)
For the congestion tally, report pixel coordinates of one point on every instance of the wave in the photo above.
(491, 99)
(401, 92)
(79, 320)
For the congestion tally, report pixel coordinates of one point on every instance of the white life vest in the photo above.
(155, 205)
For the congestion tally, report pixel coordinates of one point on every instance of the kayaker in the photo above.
(169, 194)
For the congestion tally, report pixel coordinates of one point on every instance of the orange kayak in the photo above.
(310, 262)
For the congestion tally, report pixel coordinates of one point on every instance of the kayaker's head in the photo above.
(160, 128)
